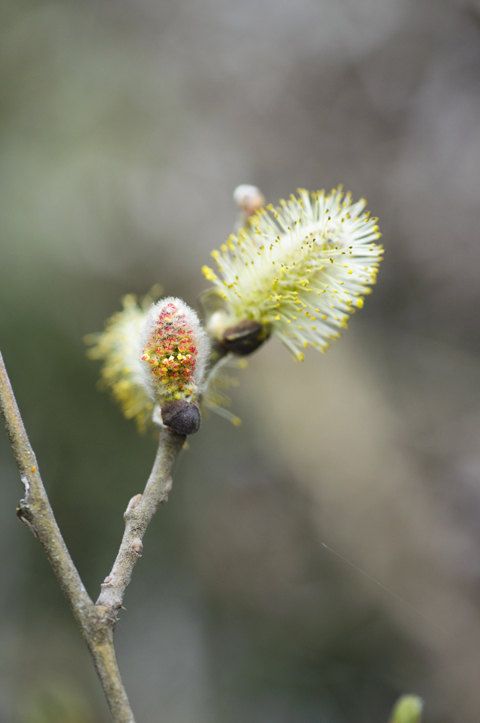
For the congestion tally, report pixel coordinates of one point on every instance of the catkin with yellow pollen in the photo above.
(297, 271)
(122, 372)
(174, 351)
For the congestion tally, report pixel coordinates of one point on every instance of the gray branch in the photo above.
(96, 622)
(35, 510)
(138, 514)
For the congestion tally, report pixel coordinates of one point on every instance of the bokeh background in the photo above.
(125, 126)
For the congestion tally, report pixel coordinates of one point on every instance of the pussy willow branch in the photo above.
(34, 509)
(96, 622)
(138, 514)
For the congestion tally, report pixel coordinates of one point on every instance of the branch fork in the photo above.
(96, 621)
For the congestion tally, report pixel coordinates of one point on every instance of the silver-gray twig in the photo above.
(138, 514)
(96, 622)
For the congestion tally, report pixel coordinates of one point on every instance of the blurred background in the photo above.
(125, 126)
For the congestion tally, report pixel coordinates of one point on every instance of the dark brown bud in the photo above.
(181, 416)
(245, 337)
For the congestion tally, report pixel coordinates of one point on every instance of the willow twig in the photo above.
(138, 514)
(96, 622)
(35, 510)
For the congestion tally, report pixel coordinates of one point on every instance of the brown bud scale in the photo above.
(245, 337)
(181, 416)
